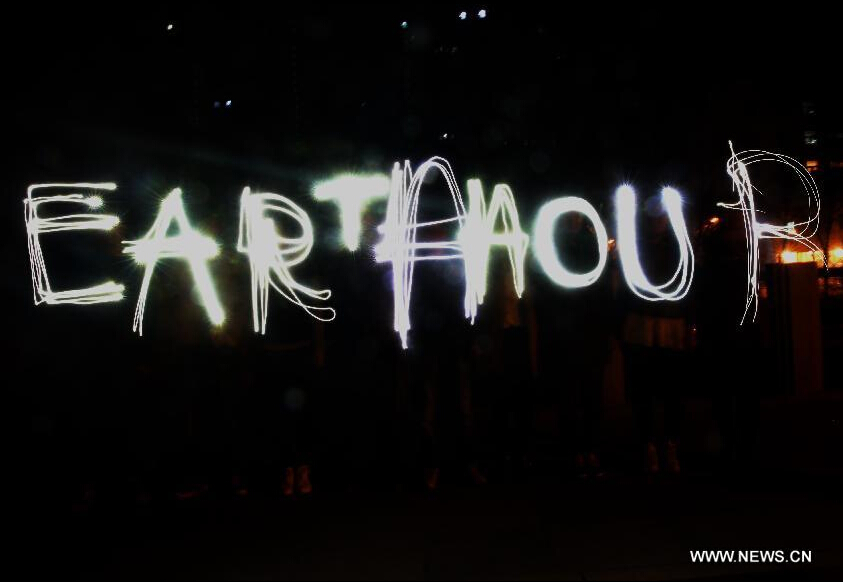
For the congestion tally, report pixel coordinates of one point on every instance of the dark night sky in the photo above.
(551, 100)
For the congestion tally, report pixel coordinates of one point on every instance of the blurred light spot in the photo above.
(481, 14)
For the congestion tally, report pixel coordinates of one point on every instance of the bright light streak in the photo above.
(188, 244)
(36, 225)
(545, 246)
(679, 284)
(399, 245)
(272, 254)
(478, 235)
(352, 193)
(799, 232)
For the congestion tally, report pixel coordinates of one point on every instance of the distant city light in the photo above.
(463, 15)
(714, 220)
(481, 14)
(169, 27)
(444, 136)
(791, 257)
(404, 24)
(228, 103)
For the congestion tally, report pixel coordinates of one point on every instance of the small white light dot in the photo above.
(481, 14)
(404, 24)
(169, 27)
(463, 15)
(228, 103)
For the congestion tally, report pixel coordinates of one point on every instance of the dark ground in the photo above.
(619, 528)
(543, 526)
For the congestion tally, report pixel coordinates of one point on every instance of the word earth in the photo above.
(272, 253)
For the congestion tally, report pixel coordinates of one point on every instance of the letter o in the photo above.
(545, 248)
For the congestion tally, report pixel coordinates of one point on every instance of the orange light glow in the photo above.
(714, 220)
(790, 257)
(812, 165)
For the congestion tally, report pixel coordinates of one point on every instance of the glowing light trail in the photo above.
(188, 244)
(352, 193)
(799, 232)
(399, 244)
(37, 225)
(545, 248)
(679, 284)
(272, 254)
(401, 247)
(478, 235)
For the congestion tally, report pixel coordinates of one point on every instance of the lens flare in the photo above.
(798, 232)
(188, 244)
(272, 254)
(36, 225)
(679, 284)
